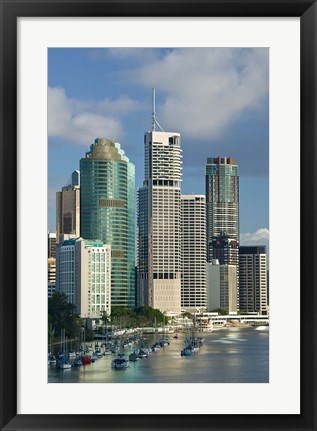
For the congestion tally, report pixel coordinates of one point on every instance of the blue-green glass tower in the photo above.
(107, 212)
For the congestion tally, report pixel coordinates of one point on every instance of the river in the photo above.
(228, 355)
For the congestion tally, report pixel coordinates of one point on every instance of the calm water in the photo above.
(230, 355)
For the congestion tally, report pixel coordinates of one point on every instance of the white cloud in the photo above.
(259, 237)
(81, 122)
(206, 90)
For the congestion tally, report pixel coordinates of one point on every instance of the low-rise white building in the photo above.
(83, 274)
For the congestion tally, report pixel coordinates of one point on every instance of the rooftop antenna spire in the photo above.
(154, 120)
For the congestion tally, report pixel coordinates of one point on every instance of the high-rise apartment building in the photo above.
(193, 234)
(68, 208)
(83, 274)
(222, 199)
(107, 209)
(159, 221)
(253, 279)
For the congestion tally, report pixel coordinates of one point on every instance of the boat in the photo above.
(93, 358)
(164, 341)
(72, 354)
(51, 359)
(78, 362)
(134, 356)
(156, 347)
(120, 362)
(187, 351)
(63, 364)
(86, 360)
(143, 353)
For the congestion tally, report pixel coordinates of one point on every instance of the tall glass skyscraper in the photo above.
(107, 209)
(222, 199)
(222, 212)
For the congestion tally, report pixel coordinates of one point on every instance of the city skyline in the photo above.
(107, 93)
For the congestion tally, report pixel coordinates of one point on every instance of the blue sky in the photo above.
(216, 98)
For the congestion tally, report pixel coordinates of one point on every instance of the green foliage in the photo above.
(139, 316)
(62, 315)
(89, 335)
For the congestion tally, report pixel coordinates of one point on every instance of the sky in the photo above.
(216, 98)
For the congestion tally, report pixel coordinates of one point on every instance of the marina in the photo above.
(227, 355)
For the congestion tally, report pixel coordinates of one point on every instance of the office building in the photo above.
(221, 287)
(107, 208)
(253, 279)
(75, 178)
(51, 276)
(83, 274)
(68, 208)
(193, 234)
(159, 221)
(51, 244)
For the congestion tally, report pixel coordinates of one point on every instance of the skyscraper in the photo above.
(222, 212)
(51, 275)
(68, 208)
(107, 211)
(253, 279)
(51, 244)
(193, 232)
(222, 199)
(159, 219)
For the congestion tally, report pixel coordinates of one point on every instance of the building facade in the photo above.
(83, 274)
(193, 234)
(221, 287)
(225, 249)
(222, 212)
(68, 210)
(159, 223)
(253, 279)
(51, 244)
(107, 208)
(222, 199)
(51, 277)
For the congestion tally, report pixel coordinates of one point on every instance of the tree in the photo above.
(62, 315)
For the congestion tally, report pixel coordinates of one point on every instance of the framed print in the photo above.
(74, 69)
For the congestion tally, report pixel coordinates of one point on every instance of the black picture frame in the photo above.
(10, 10)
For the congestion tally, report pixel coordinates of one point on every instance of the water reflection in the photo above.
(227, 356)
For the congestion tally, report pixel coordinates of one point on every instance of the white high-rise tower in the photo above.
(194, 279)
(159, 221)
